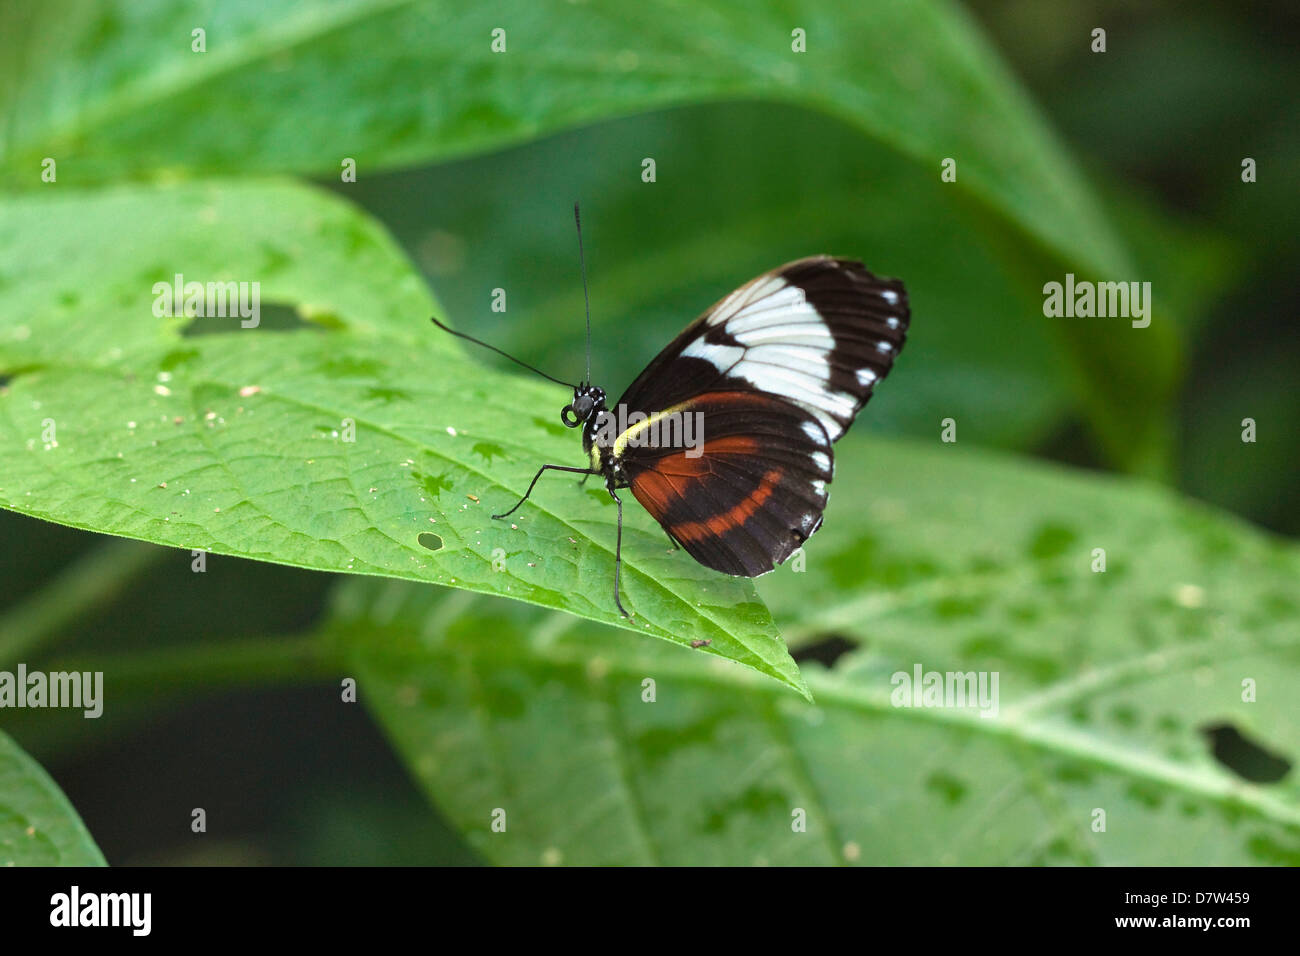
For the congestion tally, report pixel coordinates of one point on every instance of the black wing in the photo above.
(818, 333)
(743, 499)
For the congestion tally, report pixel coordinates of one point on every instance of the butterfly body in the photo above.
(725, 438)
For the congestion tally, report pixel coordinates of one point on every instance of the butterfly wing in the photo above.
(743, 499)
(776, 372)
(819, 333)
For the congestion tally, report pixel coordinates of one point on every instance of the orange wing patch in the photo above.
(733, 517)
(681, 466)
(753, 494)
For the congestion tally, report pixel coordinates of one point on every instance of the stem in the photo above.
(81, 587)
(141, 685)
(295, 659)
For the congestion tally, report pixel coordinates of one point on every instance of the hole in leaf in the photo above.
(826, 650)
(1244, 757)
(272, 317)
(429, 540)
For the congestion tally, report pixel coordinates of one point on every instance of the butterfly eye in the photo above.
(577, 413)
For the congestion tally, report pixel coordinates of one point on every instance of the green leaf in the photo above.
(38, 826)
(233, 441)
(564, 65)
(932, 556)
(300, 87)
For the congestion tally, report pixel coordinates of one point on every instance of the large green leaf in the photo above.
(300, 86)
(233, 442)
(38, 826)
(931, 556)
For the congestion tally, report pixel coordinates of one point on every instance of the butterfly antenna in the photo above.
(577, 221)
(470, 338)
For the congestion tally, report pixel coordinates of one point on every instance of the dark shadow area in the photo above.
(826, 650)
(1243, 756)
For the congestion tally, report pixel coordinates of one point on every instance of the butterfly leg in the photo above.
(672, 542)
(618, 548)
(581, 471)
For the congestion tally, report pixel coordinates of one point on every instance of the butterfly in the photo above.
(725, 438)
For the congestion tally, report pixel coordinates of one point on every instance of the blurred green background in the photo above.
(1159, 125)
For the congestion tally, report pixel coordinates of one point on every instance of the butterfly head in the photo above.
(588, 400)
